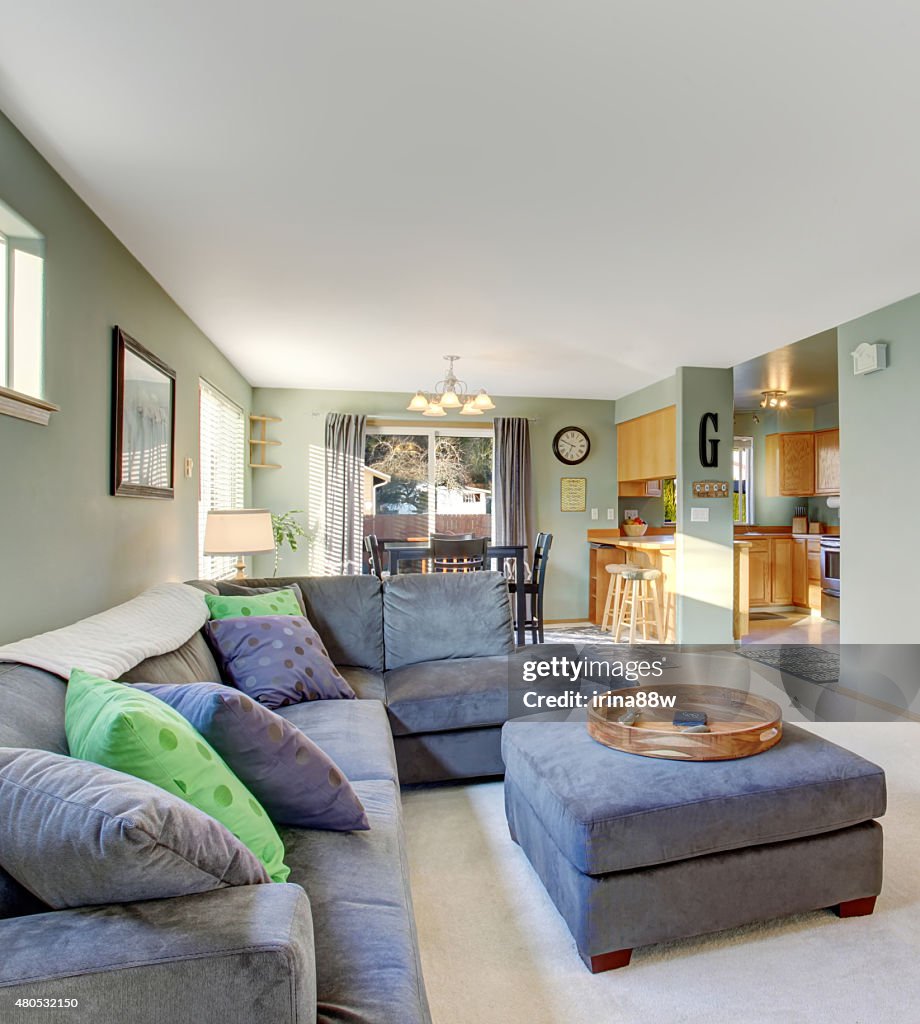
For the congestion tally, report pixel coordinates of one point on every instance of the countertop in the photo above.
(650, 542)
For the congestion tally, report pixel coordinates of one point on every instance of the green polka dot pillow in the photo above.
(132, 732)
(277, 602)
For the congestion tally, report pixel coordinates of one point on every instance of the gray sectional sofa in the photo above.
(429, 658)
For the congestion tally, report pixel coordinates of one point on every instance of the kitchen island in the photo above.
(657, 550)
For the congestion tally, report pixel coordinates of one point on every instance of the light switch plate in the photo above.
(699, 515)
(594, 513)
(611, 513)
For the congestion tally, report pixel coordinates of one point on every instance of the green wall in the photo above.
(299, 483)
(879, 427)
(67, 548)
(705, 567)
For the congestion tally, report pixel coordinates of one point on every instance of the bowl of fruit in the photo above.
(635, 526)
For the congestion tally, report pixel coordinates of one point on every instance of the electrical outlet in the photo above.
(699, 515)
(189, 464)
(631, 513)
(611, 513)
(594, 513)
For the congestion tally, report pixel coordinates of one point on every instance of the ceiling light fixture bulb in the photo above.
(469, 408)
(419, 402)
(434, 409)
(483, 401)
(450, 400)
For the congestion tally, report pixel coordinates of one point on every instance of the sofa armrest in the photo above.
(238, 954)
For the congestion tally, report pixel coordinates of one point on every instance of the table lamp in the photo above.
(239, 531)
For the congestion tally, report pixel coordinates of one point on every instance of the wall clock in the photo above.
(571, 446)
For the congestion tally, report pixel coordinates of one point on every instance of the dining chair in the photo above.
(452, 536)
(455, 555)
(374, 558)
(534, 586)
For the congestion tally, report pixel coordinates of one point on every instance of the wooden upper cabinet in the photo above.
(791, 464)
(647, 446)
(827, 461)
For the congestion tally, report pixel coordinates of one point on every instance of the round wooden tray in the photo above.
(740, 724)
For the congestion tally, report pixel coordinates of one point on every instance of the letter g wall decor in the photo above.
(709, 446)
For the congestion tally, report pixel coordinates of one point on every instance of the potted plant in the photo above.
(287, 531)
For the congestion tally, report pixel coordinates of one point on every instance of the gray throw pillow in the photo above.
(227, 589)
(76, 834)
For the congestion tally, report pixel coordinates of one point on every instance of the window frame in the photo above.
(744, 443)
(431, 431)
(219, 567)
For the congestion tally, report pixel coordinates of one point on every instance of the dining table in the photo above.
(397, 551)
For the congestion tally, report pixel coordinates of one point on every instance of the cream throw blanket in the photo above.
(114, 641)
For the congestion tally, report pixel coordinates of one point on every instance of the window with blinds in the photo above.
(221, 469)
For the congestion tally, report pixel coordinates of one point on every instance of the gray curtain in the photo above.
(345, 436)
(512, 487)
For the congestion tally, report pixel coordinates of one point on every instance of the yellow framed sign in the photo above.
(573, 494)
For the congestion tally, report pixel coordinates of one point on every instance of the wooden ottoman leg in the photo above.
(856, 908)
(608, 961)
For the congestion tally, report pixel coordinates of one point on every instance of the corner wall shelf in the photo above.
(259, 442)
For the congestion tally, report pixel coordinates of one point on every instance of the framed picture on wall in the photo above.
(143, 421)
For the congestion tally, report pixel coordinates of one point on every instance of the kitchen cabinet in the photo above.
(647, 446)
(827, 461)
(802, 464)
(799, 573)
(770, 571)
(806, 573)
(790, 462)
(781, 570)
(814, 574)
(639, 489)
(759, 573)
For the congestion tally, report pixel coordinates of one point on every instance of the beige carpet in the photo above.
(495, 951)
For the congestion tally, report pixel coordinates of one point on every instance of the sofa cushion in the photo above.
(436, 696)
(193, 662)
(432, 616)
(354, 733)
(367, 963)
(32, 708)
(124, 728)
(367, 685)
(347, 612)
(76, 834)
(607, 810)
(291, 777)
(276, 660)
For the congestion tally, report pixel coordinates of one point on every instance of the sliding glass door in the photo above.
(425, 480)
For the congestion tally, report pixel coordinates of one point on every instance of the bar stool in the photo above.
(640, 590)
(614, 591)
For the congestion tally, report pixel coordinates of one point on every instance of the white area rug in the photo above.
(495, 951)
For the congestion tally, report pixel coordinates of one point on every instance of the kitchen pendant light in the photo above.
(450, 393)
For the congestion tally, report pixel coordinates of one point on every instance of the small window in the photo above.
(743, 474)
(669, 499)
(221, 469)
(22, 305)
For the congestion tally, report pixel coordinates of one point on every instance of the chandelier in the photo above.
(773, 400)
(450, 393)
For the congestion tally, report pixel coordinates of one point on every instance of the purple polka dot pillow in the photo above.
(276, 660)
(291, 777)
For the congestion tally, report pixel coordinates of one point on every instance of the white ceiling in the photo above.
(574, 196)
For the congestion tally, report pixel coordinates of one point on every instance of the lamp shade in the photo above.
(238, 531)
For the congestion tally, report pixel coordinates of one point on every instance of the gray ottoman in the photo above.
(635, 850)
